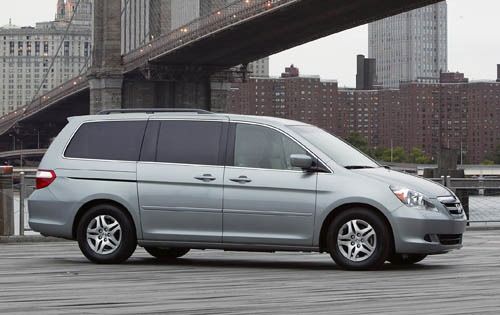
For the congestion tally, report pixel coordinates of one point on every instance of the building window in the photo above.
(86, 49)
(20, 48)
(66, 48)
(37, 48)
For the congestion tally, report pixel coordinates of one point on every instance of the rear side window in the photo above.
(107, 140)
(189, 142)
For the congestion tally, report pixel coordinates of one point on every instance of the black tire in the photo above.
(127, 237)
(382, 244)
(166, 253)
(406, 259)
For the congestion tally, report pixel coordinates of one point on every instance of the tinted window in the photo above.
(110, 140)
(261, 147)
(189, 142)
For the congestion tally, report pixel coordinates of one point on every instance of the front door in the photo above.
(180, 181)
(266, 201)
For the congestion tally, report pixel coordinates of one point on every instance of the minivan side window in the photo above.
(189, 142)
(107, 140)
(262, 147)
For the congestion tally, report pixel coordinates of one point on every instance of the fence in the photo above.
(483, 193)
(483, 196)
(15, 189)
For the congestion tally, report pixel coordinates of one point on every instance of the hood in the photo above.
(395, 178)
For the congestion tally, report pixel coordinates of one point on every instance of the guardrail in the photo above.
(72, 86)
(484, 209)
(479, 183)
(15, 189)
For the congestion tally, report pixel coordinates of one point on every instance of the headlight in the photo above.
(413, 198)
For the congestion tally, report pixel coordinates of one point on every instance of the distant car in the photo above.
(181, 180)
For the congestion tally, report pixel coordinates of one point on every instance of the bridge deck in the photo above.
(54, 278)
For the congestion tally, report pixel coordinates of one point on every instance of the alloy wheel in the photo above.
(104, 234)
(357, 240)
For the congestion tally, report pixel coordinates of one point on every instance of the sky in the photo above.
(473, 41)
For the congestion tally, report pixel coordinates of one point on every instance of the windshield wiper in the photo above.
(357, 167)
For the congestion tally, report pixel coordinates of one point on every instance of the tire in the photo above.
(102, 245)
(365, 250)
(406, 259)
(166, 253)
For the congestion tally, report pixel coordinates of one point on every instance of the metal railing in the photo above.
(16, 188)
(72, 86)
(484, 198)
(221, 19)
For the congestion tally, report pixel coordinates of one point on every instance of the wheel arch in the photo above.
(345, 207)
(92, 203)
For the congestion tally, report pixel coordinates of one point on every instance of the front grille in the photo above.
(450, 239)
(453, 205)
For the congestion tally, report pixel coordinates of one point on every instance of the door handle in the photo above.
(241, 180)
(206, 178)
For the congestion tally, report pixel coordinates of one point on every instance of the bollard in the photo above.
(6, 202)
(448, 182)
(22, 194)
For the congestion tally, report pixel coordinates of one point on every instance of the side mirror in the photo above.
(301, 161)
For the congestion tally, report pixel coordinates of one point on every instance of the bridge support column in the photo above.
(164, 94)
(106, 73)
(105, 93)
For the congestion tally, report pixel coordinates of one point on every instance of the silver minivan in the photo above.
(175, 180)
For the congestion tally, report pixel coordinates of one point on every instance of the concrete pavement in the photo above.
(54, 278)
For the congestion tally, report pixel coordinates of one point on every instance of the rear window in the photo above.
(107, 140)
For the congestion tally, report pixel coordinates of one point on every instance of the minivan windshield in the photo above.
(338, 150)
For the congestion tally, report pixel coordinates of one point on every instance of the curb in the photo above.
(29, 239)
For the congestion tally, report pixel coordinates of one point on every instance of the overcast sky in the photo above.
(473, 40)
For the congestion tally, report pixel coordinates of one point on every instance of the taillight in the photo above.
(44, 178)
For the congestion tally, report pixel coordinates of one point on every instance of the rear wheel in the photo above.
(166, 253)
(358, 239)
(106, 235)
(406, 259)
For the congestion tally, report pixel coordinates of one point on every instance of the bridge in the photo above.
(187, 66)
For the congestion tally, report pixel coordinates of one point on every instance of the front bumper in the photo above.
(427, 232)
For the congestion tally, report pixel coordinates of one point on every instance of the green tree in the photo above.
(418, 156)
(398, 155)
(358, 141)
(487, 162)
(378, 154)
(495, 155)
(386, 155)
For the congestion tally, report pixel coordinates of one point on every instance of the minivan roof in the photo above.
(183, 115)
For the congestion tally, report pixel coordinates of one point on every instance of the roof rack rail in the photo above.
(153, 110)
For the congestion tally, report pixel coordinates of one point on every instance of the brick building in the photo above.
(454, 113)
(305, 98)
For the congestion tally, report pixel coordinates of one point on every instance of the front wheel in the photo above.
(406, 259)
(166, 253)
(106, 235)
(358, 239)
